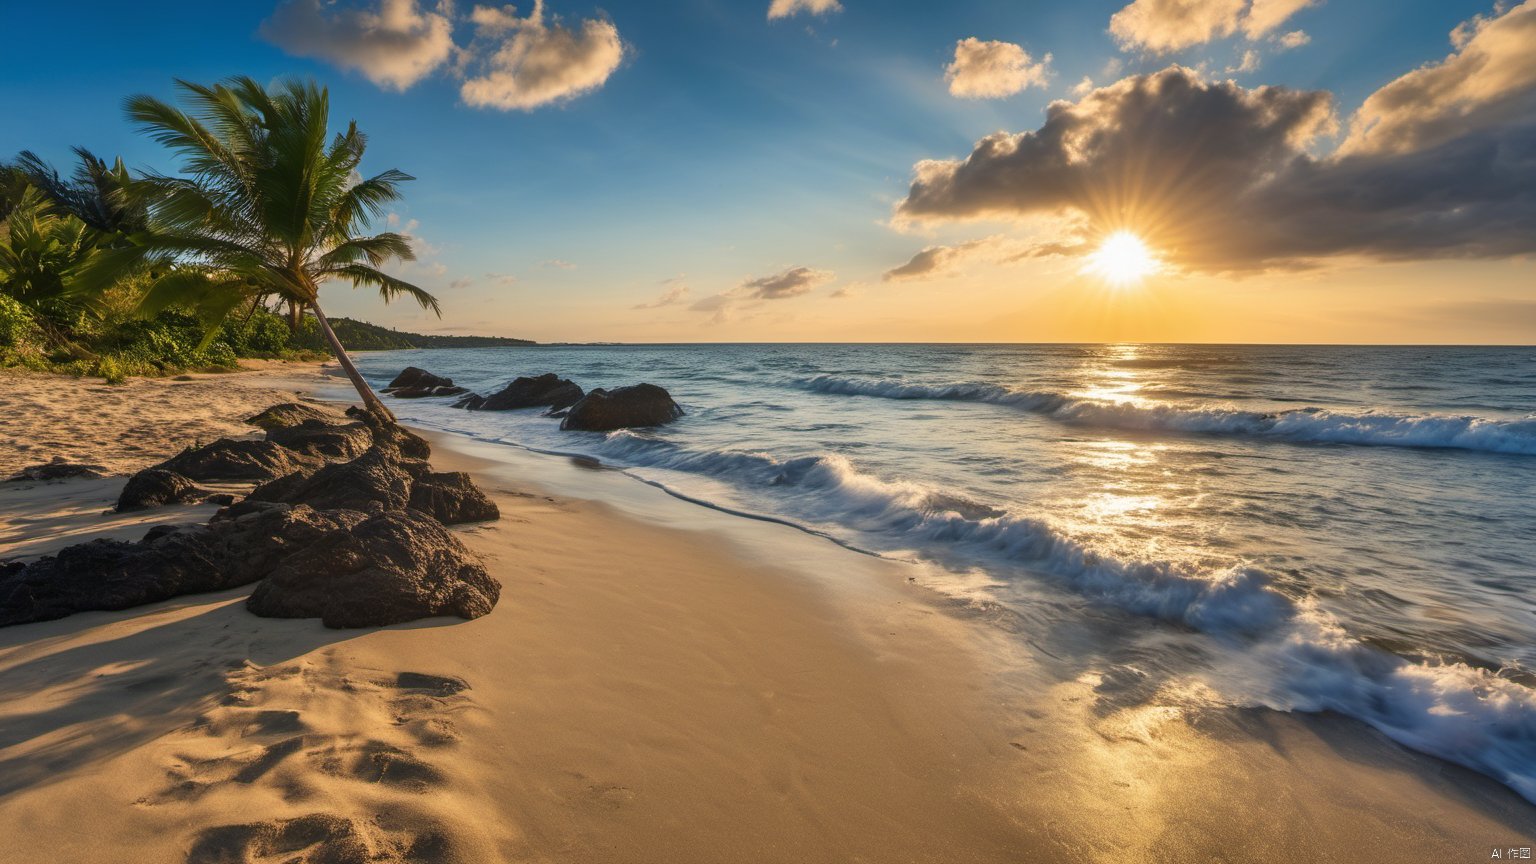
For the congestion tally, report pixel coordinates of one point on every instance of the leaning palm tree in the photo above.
(266, 206)
(96, 193)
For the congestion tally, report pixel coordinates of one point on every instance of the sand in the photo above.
(660, 683)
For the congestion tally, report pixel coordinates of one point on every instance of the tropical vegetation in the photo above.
(112, 272)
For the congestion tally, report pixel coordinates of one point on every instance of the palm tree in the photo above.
(265, 207)
(96, 193)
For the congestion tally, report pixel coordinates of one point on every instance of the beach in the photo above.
(660, 681)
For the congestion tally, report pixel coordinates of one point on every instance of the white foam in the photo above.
(1318, 425)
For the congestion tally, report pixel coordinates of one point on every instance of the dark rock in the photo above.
(168, 562)
(547, 390)
(390, 568)
(324, 439)
(290, 414)
(223, 499)
(424, 392)
(452, 498)
(640, 405)
(387, 433)
(237, 459)
(414, 377)
(58, 469)
(157, 487)
(472, 401)
(370, 483)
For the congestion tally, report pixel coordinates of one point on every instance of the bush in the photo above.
(18, 329)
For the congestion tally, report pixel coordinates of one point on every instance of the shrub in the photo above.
(18, 329)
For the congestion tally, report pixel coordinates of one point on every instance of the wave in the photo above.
(1302, 657)
(1312, 425)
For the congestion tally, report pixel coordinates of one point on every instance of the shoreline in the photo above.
(665, 681)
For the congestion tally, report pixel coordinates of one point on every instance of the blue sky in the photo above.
(725, 147)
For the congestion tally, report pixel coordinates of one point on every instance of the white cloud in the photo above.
(505, 280)
(557, 264)
(1293, 39)
(1083, 87)
(393, 44)
(786, 8)
(993, 70)
(540, 62)
(1248, 63)
(1165, 26)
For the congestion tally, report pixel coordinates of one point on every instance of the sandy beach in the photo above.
(660, 682)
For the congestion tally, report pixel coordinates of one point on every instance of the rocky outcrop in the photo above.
(157, 487)
(168, 562)
(328, 439)
(237, 459)
(622, 408)
(451, 498)
(290, 414)
(57, 469)
(416, 383)
(390, 568)
(371, 483)
(541, 391)
(391, 435)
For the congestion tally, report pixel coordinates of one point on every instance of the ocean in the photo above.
(1300, 528)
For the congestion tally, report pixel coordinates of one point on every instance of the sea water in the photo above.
(1295, 527)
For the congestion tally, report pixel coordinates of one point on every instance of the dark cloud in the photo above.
(1221, 178)
(796, 280)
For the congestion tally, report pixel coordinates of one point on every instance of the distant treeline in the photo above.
(362, 336)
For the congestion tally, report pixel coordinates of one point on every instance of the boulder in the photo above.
(413, 376)
(623, 407)
(157, 487)
(58, 469)
(170, 561)
(472, 401)
(390, 568)
(389, 434)
(451, 498)
(547, 390)
(424, 392)
(324, 439)
(237, 459)
(290, 414)
(371, 483)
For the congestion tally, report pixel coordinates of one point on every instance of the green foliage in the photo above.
(18, 327)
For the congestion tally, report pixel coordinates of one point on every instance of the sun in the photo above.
(1122, 260)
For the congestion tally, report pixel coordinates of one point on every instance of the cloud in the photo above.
(791, 282)
(993, 70)
(937, 260)
(1490, 76)
(786, 8)
(502, 279)
(1165, 26)
(787, 283)
(1248, 63)
(673, 295)
(1293, 39)
(392, 43)
(557, 264)
(540, 62)
(461, 282)
(1219, 178)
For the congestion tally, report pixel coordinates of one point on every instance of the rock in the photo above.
(370, 483)
(290, 414)
(547, 390)
(157, 487)
(387, 433)
(472, 401)
(58, 469)
(170, 561)
(424, 392)
(640, 405)
(326, 439)
(451, 498)
(237, 459)
(390, 568)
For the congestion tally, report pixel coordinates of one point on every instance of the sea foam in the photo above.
(1313, 425)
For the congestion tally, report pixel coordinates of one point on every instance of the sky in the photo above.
(881, 170)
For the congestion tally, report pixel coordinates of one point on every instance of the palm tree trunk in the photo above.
(295, 316)
(370, 400)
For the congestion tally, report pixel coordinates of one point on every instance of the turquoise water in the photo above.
(1302, 528)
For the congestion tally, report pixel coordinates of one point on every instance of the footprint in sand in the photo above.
(296, 727)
